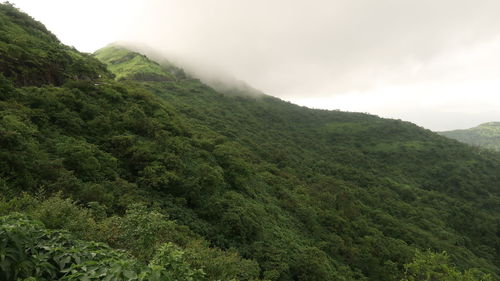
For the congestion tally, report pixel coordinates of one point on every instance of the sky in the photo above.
(434, 63)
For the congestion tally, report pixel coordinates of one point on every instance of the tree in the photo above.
(429, 266)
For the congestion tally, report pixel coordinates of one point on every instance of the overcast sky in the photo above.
(432, 62)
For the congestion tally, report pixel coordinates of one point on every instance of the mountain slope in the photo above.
(239, 187)
(31, 55)
(486, 135)
(382, 168)
(135, 66)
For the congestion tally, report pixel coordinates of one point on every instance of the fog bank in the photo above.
(441, 56)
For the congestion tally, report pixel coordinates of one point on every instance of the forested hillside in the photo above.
(486, 135)
(156, 176)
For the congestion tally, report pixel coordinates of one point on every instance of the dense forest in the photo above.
(486, 135)
(116, 167)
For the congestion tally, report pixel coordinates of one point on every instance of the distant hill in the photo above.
(486, 135)
(130, 65)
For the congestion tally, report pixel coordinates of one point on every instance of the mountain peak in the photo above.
(140, 62)
(129, 65)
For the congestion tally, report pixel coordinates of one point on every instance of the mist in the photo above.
(434, 63)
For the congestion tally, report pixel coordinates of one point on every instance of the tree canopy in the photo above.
(168, 178)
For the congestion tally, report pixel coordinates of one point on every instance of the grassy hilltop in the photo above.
(486, 135)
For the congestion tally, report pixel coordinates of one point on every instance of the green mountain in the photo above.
(31, 55)
(134, 66)
(486, 135)
(156, 176)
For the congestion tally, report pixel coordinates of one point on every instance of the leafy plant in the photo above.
(28, 250)
(429, 266)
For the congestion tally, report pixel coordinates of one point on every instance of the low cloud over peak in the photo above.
(312, 50)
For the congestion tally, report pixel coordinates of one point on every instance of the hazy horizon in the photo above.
(427, 62)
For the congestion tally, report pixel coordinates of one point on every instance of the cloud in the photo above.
(317, 48)
(300, 50)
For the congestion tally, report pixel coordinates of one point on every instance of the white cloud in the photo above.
(432, 57)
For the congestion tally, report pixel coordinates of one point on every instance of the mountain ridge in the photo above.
(222, 82)
(485, 135)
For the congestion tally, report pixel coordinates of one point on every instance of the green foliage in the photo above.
(312, 265)
(6, 87)
(381, 180)
(218, 264)
(241, 187)
(429, 266)
(170, 258)
(143, 232)
(139, 231)
(486, 135)
(28, 250)
(132, 66)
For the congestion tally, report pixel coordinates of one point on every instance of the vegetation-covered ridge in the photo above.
(168, 179)
(486, 135)
(32, 55)
(134, 66)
